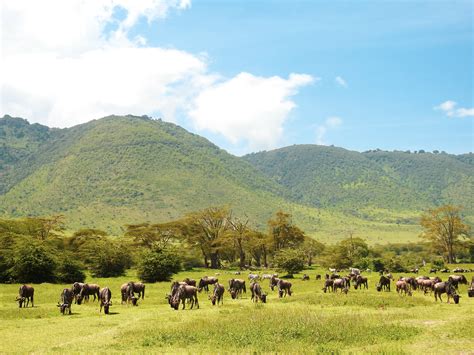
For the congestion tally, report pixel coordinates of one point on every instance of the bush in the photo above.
(69, 271)
(158, 265)
(33, 262)
(289, 260)
(110, 259)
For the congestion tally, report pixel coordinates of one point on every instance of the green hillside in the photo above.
(371, 184)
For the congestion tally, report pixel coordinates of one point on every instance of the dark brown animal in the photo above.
(25, 294)
(76, 289)
(402, 286)
(328, 284)
(205, 282)
(411, 281)
(236, 287)
(257, 293)
(65, 300)
(105, 299)
(341, 283)
(218, 294)
(190, 282)
(318, 277)
(448, 288)
(273, 281)
(284, 288)
(384, 283)
(458, 279)
(88, 290)
(361, 281)
(305, 277)
(183, 293)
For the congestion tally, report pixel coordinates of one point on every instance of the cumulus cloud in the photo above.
(67, 62)
(321, 130)
(340, 81)
(449, 108)
(248, 109)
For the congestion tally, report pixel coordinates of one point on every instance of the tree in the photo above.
(311, 248)
(69, 271)
(289, 260)
(110, 259)
(147, 235)
(158, 265)
(33, 262)
(239, 233)
(283, 233)
(444, 228)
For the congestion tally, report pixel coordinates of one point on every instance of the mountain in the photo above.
(127, 169)
(118, 170)
(361, 183)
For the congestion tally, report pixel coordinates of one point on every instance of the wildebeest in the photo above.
(190, 282)
(384, 283)
(257, 293)
(88, 290)
(236, 286)
(415, 270)
(76, 289)
(205, 282)
(318, 277)
(25, 293)
(273, 281)
(411, 281)
(448, 288)
(361, 281)
(433, 271)
(124, 292)
(402, 286)
(470, 292)
(128, 292)
(354, 271)
(341, 283)
(445, 271)
(268, 276)
(183, 293)
(328, 283)
(305, 277)
(65, 301)
(218, 294)
(284, 288)
(458, 279)
(105, 299)
(253, 277)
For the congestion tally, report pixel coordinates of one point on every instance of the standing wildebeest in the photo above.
(268, 276)
(284, 288)
(86, 291)
(448, 288)
(470, 292)
(236, 286)
(218, 294)
(273, 281)
(318, 277)
(361, 281)
(305, 277)
(123, 291)
(415, 270)
(128, 292)
(341, 283)
(105, 299)
(25, 293)
(253, 277)
(76, 289)
(183, 293)
(411, 281)
(433, 271)
(328, 283)
(354, 271)
(257, 293)
(402, 286)
(65, 301)
(458, 279)
(205, 282)
(384, 283)
(190, 282)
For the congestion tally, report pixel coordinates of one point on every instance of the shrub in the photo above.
(69, 271)
(110, 259)
(33, 262)
(158, 265)
(289, 260)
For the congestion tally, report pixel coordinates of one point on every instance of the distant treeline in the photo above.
(38, 249)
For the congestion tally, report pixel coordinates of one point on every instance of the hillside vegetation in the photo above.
(119, 170)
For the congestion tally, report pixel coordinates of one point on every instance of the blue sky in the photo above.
(395, 62)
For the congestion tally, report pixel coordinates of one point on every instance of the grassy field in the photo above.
(309, 321)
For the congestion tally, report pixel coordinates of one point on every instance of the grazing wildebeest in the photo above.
(76, 289)
(257, 293)
(305, 277)
(253, 277)
(183, 293)
(415, 270)
(361, 281)
(236, 286)
(341, 283)
(86, 291)
(105, 299)
(402, 286)
(205, 282)
(65, 301)
(284, 288)
(384, 283)
(273, 281)
(433, 271)
(25, 293)
(445, 271)
(470, 292)
(411, 281)
(218, 294)
(190, 282)
(458, 279)
(427, 285)
(328, 283)
(124, 292)
(318, 277)
(445, 287)
(268, 276)
(128, 292)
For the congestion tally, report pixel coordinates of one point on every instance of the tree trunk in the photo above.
(242, 259)
(215, 260)
(310, 260)
(265, 257)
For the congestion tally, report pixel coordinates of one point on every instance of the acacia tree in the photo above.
(444, 228)
(148, 235)
(239, 234)
(284, 233)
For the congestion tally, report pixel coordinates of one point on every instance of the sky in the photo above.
(249, 75)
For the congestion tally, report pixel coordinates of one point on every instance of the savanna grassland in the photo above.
(309, 321)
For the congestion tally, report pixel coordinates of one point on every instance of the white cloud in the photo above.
(321, 130)
(341, 82)
(67, 62)
(248, 109)
(449, 108)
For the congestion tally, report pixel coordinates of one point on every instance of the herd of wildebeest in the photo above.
(188, 289)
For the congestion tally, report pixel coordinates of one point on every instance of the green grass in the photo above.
(309, 321)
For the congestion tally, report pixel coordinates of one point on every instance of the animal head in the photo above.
(79, 299)
(379, 287)
(456, 298)
(280, 293)
(233, 294)
(213, 299)
(134, 301)
(264, 298)
(20, 300)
